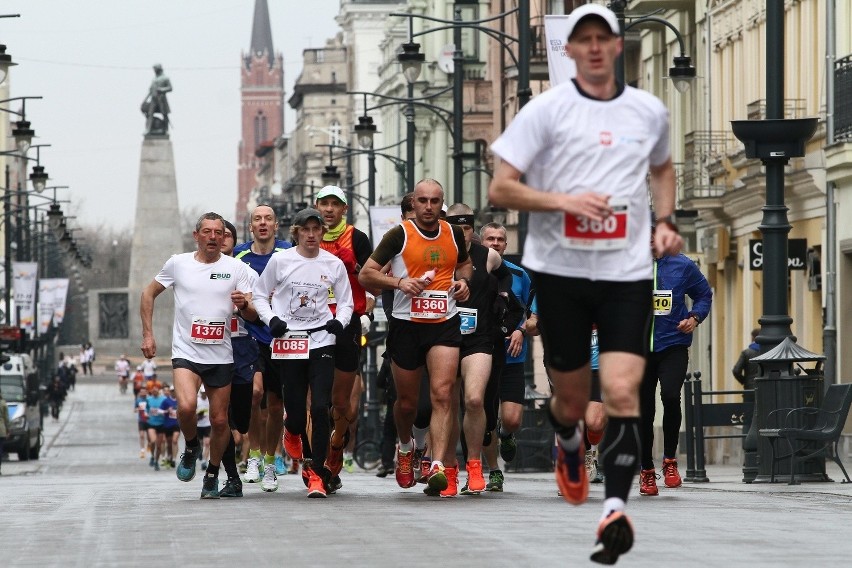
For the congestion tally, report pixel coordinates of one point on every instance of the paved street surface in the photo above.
(90, 501)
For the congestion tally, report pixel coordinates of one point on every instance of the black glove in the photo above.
(277, 327)
(334, 327)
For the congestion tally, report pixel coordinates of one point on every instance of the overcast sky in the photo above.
(91, 61)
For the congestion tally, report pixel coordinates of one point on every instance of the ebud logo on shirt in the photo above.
(220, 276)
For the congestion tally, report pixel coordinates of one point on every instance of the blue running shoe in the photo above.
(280, 466)
(210, 489)
(186, 467)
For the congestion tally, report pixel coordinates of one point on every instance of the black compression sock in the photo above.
(212, 471)
(620, 456)
(193, 444)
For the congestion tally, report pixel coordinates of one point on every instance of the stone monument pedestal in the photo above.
(156, 236)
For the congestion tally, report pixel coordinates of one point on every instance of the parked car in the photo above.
(20, 385)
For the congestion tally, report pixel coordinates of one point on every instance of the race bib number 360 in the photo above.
(207, 330)
(294, 345)
(583, 233)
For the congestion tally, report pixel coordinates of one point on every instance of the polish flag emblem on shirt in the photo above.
(606, 138)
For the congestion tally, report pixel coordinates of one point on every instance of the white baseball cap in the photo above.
(332, 191)
(592, 10)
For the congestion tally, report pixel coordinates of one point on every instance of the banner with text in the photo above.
(45, 304)
(24, 275)
(560, 67)
(383, 218)
(797, 254)
(51, 301)
(59, 300)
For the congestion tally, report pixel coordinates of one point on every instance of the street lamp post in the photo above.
(412, 60)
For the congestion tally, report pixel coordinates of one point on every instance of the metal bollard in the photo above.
(689, 421)
(700, 471)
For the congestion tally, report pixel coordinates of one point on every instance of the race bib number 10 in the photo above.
(583, 233)
(662, 302)
(207, 330)
(294, 345)
(430, 304)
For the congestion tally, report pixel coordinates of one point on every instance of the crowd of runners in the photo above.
(266, 337)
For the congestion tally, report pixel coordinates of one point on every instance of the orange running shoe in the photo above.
(404, 469)
(648, 482)
(316, 488)
(475, 480)
(671, 476)
(571, 476)
(334, 458)
(615, 537)
(452, 474)
(292, 445)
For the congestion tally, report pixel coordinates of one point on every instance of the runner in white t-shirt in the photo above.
(207, 287)
(299, 281)
(586, 148)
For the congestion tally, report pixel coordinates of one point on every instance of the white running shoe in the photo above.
(252, 471)
(270, 480)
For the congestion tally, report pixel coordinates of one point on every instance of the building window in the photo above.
(556, 7)
(259, 129)
(334, 133)
(469, 37)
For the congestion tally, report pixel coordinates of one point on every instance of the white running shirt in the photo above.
(299, 289)
(203, 294)
(566, 142)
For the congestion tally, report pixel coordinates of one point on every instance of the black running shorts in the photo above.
(214, 375)
(409, 342)
(567, 308)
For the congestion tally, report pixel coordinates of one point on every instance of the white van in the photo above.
(19, 383)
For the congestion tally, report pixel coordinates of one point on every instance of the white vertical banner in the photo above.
(383, 218)
(46, 300)
(560, 67)
(59, 296)
(25, 275)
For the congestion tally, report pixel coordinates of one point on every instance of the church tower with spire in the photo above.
(262, 95)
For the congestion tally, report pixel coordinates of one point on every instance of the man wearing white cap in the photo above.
(586, 147)
(352, 247)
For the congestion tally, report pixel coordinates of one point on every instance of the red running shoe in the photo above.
(316, 488)
(404, 469)
(292, 445)
(671, 476)
(648, 482)
(572, 479)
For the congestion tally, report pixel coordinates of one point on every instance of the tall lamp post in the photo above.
(412, 60)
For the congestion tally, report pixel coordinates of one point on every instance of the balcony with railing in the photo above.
(793, 108)
(704, 152)
(843, 99)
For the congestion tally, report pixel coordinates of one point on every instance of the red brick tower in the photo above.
(262, 94)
